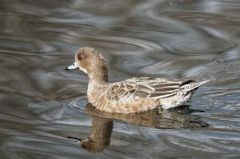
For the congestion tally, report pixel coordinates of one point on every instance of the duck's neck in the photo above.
(96, 85)
(98, 77)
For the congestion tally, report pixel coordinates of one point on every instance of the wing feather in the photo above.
(144, 87)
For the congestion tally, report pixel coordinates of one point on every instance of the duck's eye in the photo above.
(81, 56)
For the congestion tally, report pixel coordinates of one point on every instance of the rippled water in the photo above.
(44, 112)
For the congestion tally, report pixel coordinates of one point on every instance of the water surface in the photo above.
(42, 105)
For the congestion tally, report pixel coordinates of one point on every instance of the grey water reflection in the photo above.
(102, 123)
(160, 38)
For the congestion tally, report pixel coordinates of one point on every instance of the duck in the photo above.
(134, 95)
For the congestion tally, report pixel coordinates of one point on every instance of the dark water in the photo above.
(42, 105)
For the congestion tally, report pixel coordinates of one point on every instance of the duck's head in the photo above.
(90, 61)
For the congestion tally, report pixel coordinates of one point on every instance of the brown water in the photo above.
(42, 105)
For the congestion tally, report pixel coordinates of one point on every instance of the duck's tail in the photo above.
(192, 86)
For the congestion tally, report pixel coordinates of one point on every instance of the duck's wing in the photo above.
(145, 87)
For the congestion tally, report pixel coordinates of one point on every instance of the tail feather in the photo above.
(193, 85)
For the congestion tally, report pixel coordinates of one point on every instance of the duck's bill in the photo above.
(72, 67)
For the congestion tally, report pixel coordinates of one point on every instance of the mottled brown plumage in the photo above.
(132, 95)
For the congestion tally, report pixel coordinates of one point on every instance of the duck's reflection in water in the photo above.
(102, 123)
(100, 135)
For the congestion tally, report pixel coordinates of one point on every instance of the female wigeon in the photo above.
(132, 95)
